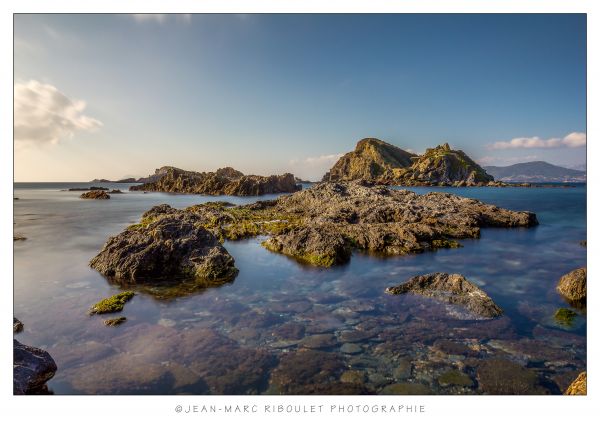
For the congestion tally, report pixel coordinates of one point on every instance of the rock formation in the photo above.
(578, 386)
(320, 225)
(167, 243)
(225, 181)
(95, 194)
(451, 288)
(32, 368)
(377, 161)
(573, 286)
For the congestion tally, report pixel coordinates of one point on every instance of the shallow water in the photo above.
(286, 327)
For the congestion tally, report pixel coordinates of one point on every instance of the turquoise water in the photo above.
(285, 327)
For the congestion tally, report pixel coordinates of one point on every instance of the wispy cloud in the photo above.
(44, 115)
(500, 161)
(161, 18)
(574, 139)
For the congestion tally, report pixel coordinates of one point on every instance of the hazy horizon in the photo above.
(110, 96)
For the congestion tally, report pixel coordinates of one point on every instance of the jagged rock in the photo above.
(377, 161)
(225, 181)
(95, 194)
(32, 368)
(114, 322)
(322, 224)
(167, 243)
(451, 288)
(573, 286)
(115, 191)
(578, 386)
(17, 325)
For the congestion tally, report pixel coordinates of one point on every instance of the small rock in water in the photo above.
(353, 377)
(319, 341)
(403, 370)
(350, 348)
(455, 378)
(111, 304)
(504, 377)
(96, 194)
(573, 286)
(113, 322)
(17, 325)
(32, 368)
(405, 389)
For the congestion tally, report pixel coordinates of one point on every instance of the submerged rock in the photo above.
(578, 386)
(565, 317)
(114, 322)
(450, 288)
(455, 378)
(573, 286)
(32, 368)
(17, 325)
(504, 377)
(167, 243)
(96, 194)
(225, 181)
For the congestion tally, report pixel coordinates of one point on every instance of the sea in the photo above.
(285, 327)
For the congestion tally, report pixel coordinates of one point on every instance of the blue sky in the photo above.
(109, 96)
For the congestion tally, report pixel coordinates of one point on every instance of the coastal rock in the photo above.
(32, 368)
(111, 304)
(95, 194)
(450, 288)
(578, 386)
(380, 162)
(114, 322)
(573, 286)
(17, 325)
(225, 181)
(167, 243)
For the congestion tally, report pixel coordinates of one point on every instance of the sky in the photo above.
(113, 96)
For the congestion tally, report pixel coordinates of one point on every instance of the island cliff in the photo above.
(380, 162)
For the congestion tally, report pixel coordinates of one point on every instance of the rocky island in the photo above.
(383, 163)
(319, 226)
(225, 181)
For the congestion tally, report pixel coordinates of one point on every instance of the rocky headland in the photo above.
(319, 226)
(225, 181)
(380, 162)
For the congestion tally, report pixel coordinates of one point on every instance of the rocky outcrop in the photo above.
(321, 225)
(32, 368)
(371, 159)
(377, 161)
(166, 244)
(573, 286)
(95, 194)
(225, 181)
(92, 188)
(451, 288)
(578, 386)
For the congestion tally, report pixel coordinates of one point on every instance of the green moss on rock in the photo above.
(111, 304)
(565, 317)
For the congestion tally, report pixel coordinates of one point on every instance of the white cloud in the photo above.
(501, 161)
(161, 18)
(574, 139)
(314, 167)
(44, 115)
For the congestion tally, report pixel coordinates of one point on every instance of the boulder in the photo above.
(166, 244)
(17, 325)
(451, 288)
(32, 368)
(573, 286)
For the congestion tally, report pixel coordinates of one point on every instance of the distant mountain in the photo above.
(377, 161)
(539, 171)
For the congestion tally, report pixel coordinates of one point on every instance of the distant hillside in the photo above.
(539, 172)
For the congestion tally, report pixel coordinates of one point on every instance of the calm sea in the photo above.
(187, 340)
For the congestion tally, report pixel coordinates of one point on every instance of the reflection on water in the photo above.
(282, 327)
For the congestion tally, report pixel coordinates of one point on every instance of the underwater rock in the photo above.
(504, 377)
(95, 194)
(350, 348)
(565, 317)
(450, 288)
(573, 286)
(405, 389)
(455, 378)
(17, 325)
(114, 322)
(578, 386)
(319, 341)
(167, 243)
(32, 368)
